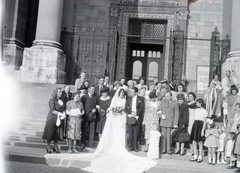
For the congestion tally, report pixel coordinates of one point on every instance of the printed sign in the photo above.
(202, 78)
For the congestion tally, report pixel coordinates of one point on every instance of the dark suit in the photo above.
(171, 111)
(98, 89)
(89, 103)
(133, 130)
(109, 86)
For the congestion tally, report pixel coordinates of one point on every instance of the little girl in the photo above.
(211, 141)
(220, 150)
(153, 150)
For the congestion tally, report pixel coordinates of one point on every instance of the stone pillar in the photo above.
(232, 63)
(15, 20)
(45, 61)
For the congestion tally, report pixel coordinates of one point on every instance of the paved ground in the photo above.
(23, 167)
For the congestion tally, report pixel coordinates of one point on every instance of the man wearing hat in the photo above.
(134, 108)
(169, 120)
(83, 90)
(89, 103)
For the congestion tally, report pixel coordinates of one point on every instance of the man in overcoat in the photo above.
(169, 120)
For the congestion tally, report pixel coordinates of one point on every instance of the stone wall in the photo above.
(205, 15)
(91, 13)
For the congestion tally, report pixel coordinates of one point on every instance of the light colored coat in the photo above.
(171, 110)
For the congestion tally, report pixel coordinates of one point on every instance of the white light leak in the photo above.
(9, 96)
(9, 107)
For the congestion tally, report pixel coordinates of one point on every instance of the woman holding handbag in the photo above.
(75, 111)
(53, 120)
(182, 135)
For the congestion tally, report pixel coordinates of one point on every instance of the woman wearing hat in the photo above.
(182, 124)
(103, 105)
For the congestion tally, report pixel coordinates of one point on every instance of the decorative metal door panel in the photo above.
(93, 49)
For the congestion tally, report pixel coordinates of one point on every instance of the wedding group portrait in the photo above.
(120, 86)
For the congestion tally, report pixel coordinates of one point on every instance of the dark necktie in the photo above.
(213, 94)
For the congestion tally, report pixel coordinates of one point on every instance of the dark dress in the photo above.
(183, 119)
(104, 105)
(51, 130)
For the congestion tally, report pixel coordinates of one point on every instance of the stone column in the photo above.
(233, 61)
(14, 20)
(45, 62)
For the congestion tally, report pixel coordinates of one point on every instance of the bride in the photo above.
(110, 155)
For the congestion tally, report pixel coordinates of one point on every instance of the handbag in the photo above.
(132, 120)
(91, 116)
(184, 137)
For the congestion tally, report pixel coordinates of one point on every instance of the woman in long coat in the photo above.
(182, 123)
(51, 129)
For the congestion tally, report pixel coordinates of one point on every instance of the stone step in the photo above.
(26, 138)
(62, 144)
(32, 127)
(33, 122)
(23, 132)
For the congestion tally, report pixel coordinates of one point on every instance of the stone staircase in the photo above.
(27, 132)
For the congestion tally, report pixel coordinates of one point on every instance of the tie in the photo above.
(213, 94)
(230, 81)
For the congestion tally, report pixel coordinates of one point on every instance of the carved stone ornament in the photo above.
(114, 12)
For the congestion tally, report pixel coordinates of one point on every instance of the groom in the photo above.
(134, 108)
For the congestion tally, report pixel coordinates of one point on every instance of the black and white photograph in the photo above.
(120, 86)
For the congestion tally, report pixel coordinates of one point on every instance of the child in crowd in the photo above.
(237, 148)
(211, 141)
(153, 150)
(220, 149)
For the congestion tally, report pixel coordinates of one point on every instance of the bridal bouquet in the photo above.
(117, 109)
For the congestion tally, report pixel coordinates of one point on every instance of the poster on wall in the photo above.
(202, 78)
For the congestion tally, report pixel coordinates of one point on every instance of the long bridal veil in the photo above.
(110, 155)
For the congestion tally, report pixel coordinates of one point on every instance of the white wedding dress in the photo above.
(110, 155)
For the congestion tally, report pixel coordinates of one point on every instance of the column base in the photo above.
(232, 64)
(43, 65)
(12, 56)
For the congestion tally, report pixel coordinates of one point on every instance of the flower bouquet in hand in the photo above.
(117, 109)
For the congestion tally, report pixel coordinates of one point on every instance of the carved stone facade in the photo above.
(96, 36)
